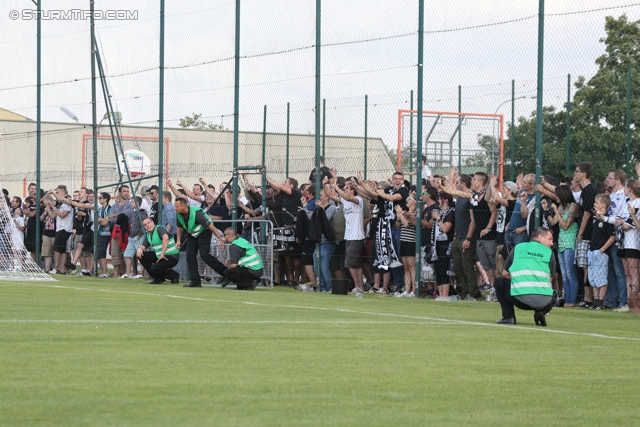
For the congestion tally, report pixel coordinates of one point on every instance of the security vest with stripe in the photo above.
(250, 259)
(192, 227)
(530, 272)
(155, 241)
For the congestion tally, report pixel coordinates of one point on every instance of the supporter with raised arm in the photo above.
(196, 196)
(408, 246)
(463, 248)
(396, 195)
(353, 208)
(64, 227)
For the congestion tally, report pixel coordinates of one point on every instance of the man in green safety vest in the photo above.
(245, 266)
(199, 228)
(163, 258)
(526, 281)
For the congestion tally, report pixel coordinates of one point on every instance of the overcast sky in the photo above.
(370, 48)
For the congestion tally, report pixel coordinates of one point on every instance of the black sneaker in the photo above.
(192, 285)
(71, 266)
(539, 318)
(175, 280)
(506, 321)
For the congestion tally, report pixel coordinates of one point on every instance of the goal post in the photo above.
(15, 261)
(470, 141)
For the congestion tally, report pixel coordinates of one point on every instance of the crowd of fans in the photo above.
(366, 230)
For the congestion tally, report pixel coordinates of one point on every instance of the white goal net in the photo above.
(15, 262)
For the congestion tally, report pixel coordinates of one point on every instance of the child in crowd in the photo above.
(602, 237)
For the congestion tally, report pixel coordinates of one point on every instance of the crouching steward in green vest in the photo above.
(245, 266)
(199, 229)
(526, 281)
(164, 254)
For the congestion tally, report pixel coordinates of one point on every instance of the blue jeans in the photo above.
(569, 275)
(511, 239)
(398, 272)
(617, 286)
(326, 251)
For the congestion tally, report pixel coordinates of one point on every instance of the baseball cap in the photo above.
(511, 186)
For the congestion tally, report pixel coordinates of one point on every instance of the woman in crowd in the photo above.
(629, 244)
(104, 231)
(408, 245)
(565, 216)
(443, 231)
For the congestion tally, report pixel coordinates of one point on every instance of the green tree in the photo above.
(195, 122)
(600, 113)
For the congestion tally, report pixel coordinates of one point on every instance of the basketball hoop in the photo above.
(138, 163)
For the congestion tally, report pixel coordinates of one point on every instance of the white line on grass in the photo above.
(343, 310)
(252, 322)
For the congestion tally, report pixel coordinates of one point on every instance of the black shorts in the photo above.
(87, 241)
(103, 244)
(629, 253)
(60, 243)
(307, 252)
(407, 248)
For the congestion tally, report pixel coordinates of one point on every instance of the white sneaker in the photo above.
(470, 298)
(124, 276)
(442, 298)
(410, 295)
(137, 276)
(623, 309)
(54, 271)
(398, 295)
(104, 276)
(79, 274)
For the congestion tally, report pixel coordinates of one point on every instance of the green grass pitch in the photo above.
(101, 352)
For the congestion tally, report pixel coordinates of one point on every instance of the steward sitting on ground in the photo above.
(245, 266)
(526, 281)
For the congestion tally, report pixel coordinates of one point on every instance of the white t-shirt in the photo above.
(631, 238)
(20, 221)
(196, 202)
(354, 219)
(65, 223)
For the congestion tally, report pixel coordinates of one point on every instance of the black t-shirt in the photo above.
(153, 213)
(450, 217)
(463, 217)
(587, 200)
(482, 216)
(404, 192)
(426, 232)
(600, 233)
(289, 204)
